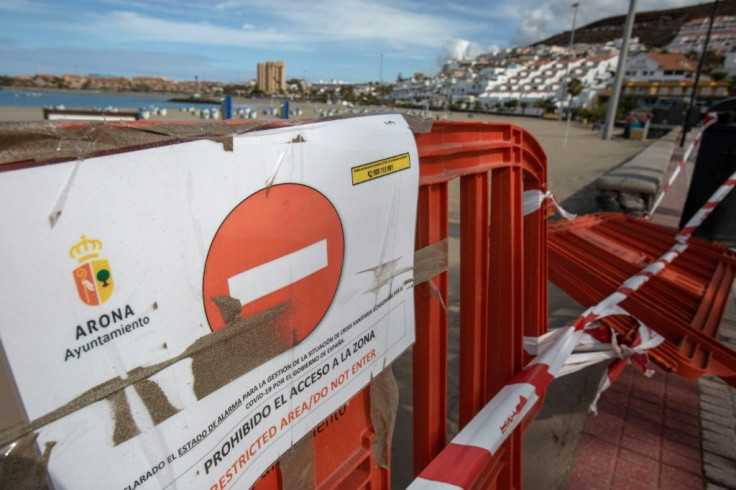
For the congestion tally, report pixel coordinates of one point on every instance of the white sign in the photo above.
(232, 299)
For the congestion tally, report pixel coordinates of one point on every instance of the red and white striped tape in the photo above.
(459, 463)
(707, 208)
(598, 344)
(533, 199)
(710, 119)
(634, 353)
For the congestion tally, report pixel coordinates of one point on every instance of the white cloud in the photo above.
(135, 27)
(301, 26)
(458, 49)
(355, 21)
(368, 21)
(533, 28)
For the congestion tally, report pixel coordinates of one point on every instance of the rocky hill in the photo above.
(654, 29)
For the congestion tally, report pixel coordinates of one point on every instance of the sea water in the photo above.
(84, 100)
(94, 100)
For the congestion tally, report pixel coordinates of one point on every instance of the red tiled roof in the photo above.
(672, 61)
(599, 58)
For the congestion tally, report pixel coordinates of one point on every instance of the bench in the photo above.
(633, 186)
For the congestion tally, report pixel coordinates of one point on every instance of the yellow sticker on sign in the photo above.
(381, 168)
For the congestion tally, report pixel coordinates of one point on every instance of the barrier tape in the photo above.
(459, 463)
(710, 119)
(634, 353)
(598, 344)
(534, 198)
(697, 219)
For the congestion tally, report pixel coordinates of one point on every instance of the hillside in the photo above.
(654, 29)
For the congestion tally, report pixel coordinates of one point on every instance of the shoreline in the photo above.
(264, 100)
(129, 93)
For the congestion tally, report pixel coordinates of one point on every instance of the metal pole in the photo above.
(613, 101)
(567, 73)
(685, 124)
(563, 88)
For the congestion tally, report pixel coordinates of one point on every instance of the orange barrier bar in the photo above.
(474, 216)
(685, 305)
(503, 279)
(430, 349)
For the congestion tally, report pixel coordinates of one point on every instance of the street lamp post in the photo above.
(563, 88)
(618, 81)
(567, 73)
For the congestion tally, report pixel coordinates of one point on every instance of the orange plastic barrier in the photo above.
(590, 256)
(344, 458)
(503, 277)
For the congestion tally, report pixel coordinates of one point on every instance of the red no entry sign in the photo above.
(281, 245)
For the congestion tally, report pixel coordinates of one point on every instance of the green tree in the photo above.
(712, 61)
(347, 92)
(524, 104)
(548, 105)
(103, 275)
(574, 87)
(598, 113)
(624, 107)
(511, 104)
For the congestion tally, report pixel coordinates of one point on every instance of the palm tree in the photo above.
(511, 104)
(574, 87)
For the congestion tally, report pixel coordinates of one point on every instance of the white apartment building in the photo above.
(416, 90)
(672, 67)
(691, 36)
(544, 80)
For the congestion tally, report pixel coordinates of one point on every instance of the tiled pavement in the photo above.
(663, 432)
(645, 436)
(718, 417)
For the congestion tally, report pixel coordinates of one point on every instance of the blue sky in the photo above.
(318, 39)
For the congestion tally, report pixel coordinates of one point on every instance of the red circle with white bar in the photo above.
(280, 245)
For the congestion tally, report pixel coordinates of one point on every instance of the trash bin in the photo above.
(715, 163)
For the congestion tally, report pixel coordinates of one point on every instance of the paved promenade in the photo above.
(663, 432)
